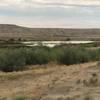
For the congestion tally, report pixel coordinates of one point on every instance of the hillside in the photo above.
(8, 31)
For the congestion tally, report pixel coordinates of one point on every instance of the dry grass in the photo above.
(51, 82)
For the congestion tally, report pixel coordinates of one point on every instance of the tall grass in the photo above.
(16, 59)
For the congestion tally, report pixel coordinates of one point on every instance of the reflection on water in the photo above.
(53, 43)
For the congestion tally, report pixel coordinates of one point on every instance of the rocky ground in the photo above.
(53, 82)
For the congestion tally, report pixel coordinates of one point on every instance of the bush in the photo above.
(11, 60)
(16, 59)
(74, 55)
(37, 56)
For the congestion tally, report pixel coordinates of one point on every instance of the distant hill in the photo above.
(8, 31)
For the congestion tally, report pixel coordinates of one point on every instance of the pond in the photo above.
(53, 43)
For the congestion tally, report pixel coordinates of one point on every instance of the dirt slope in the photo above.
(53, 82)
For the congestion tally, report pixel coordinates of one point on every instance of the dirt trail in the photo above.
(54, 82)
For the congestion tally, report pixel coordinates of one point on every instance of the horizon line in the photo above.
(52, 27)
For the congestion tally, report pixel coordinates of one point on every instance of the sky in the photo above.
(51, 13)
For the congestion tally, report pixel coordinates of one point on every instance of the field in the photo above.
(52, 82)
(49, 64)
(36, 73)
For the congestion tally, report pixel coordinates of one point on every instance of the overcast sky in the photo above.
(51, 13)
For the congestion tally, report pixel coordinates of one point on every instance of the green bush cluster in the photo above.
(74, 55)
(16, 59)
(11, 60)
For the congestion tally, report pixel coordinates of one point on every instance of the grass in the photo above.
(3, 98)
(20, 98)
(15, 98)
(27, 82)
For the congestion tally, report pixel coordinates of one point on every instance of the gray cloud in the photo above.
(51, 13)
(62, 3)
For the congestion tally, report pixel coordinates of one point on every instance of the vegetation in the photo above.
(3, 98)
(88, 98)
(20, 98)
(15, 59)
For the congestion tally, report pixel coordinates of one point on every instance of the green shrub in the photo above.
(74, 55)
(37, 56)
(16, 59)
(11, 60)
